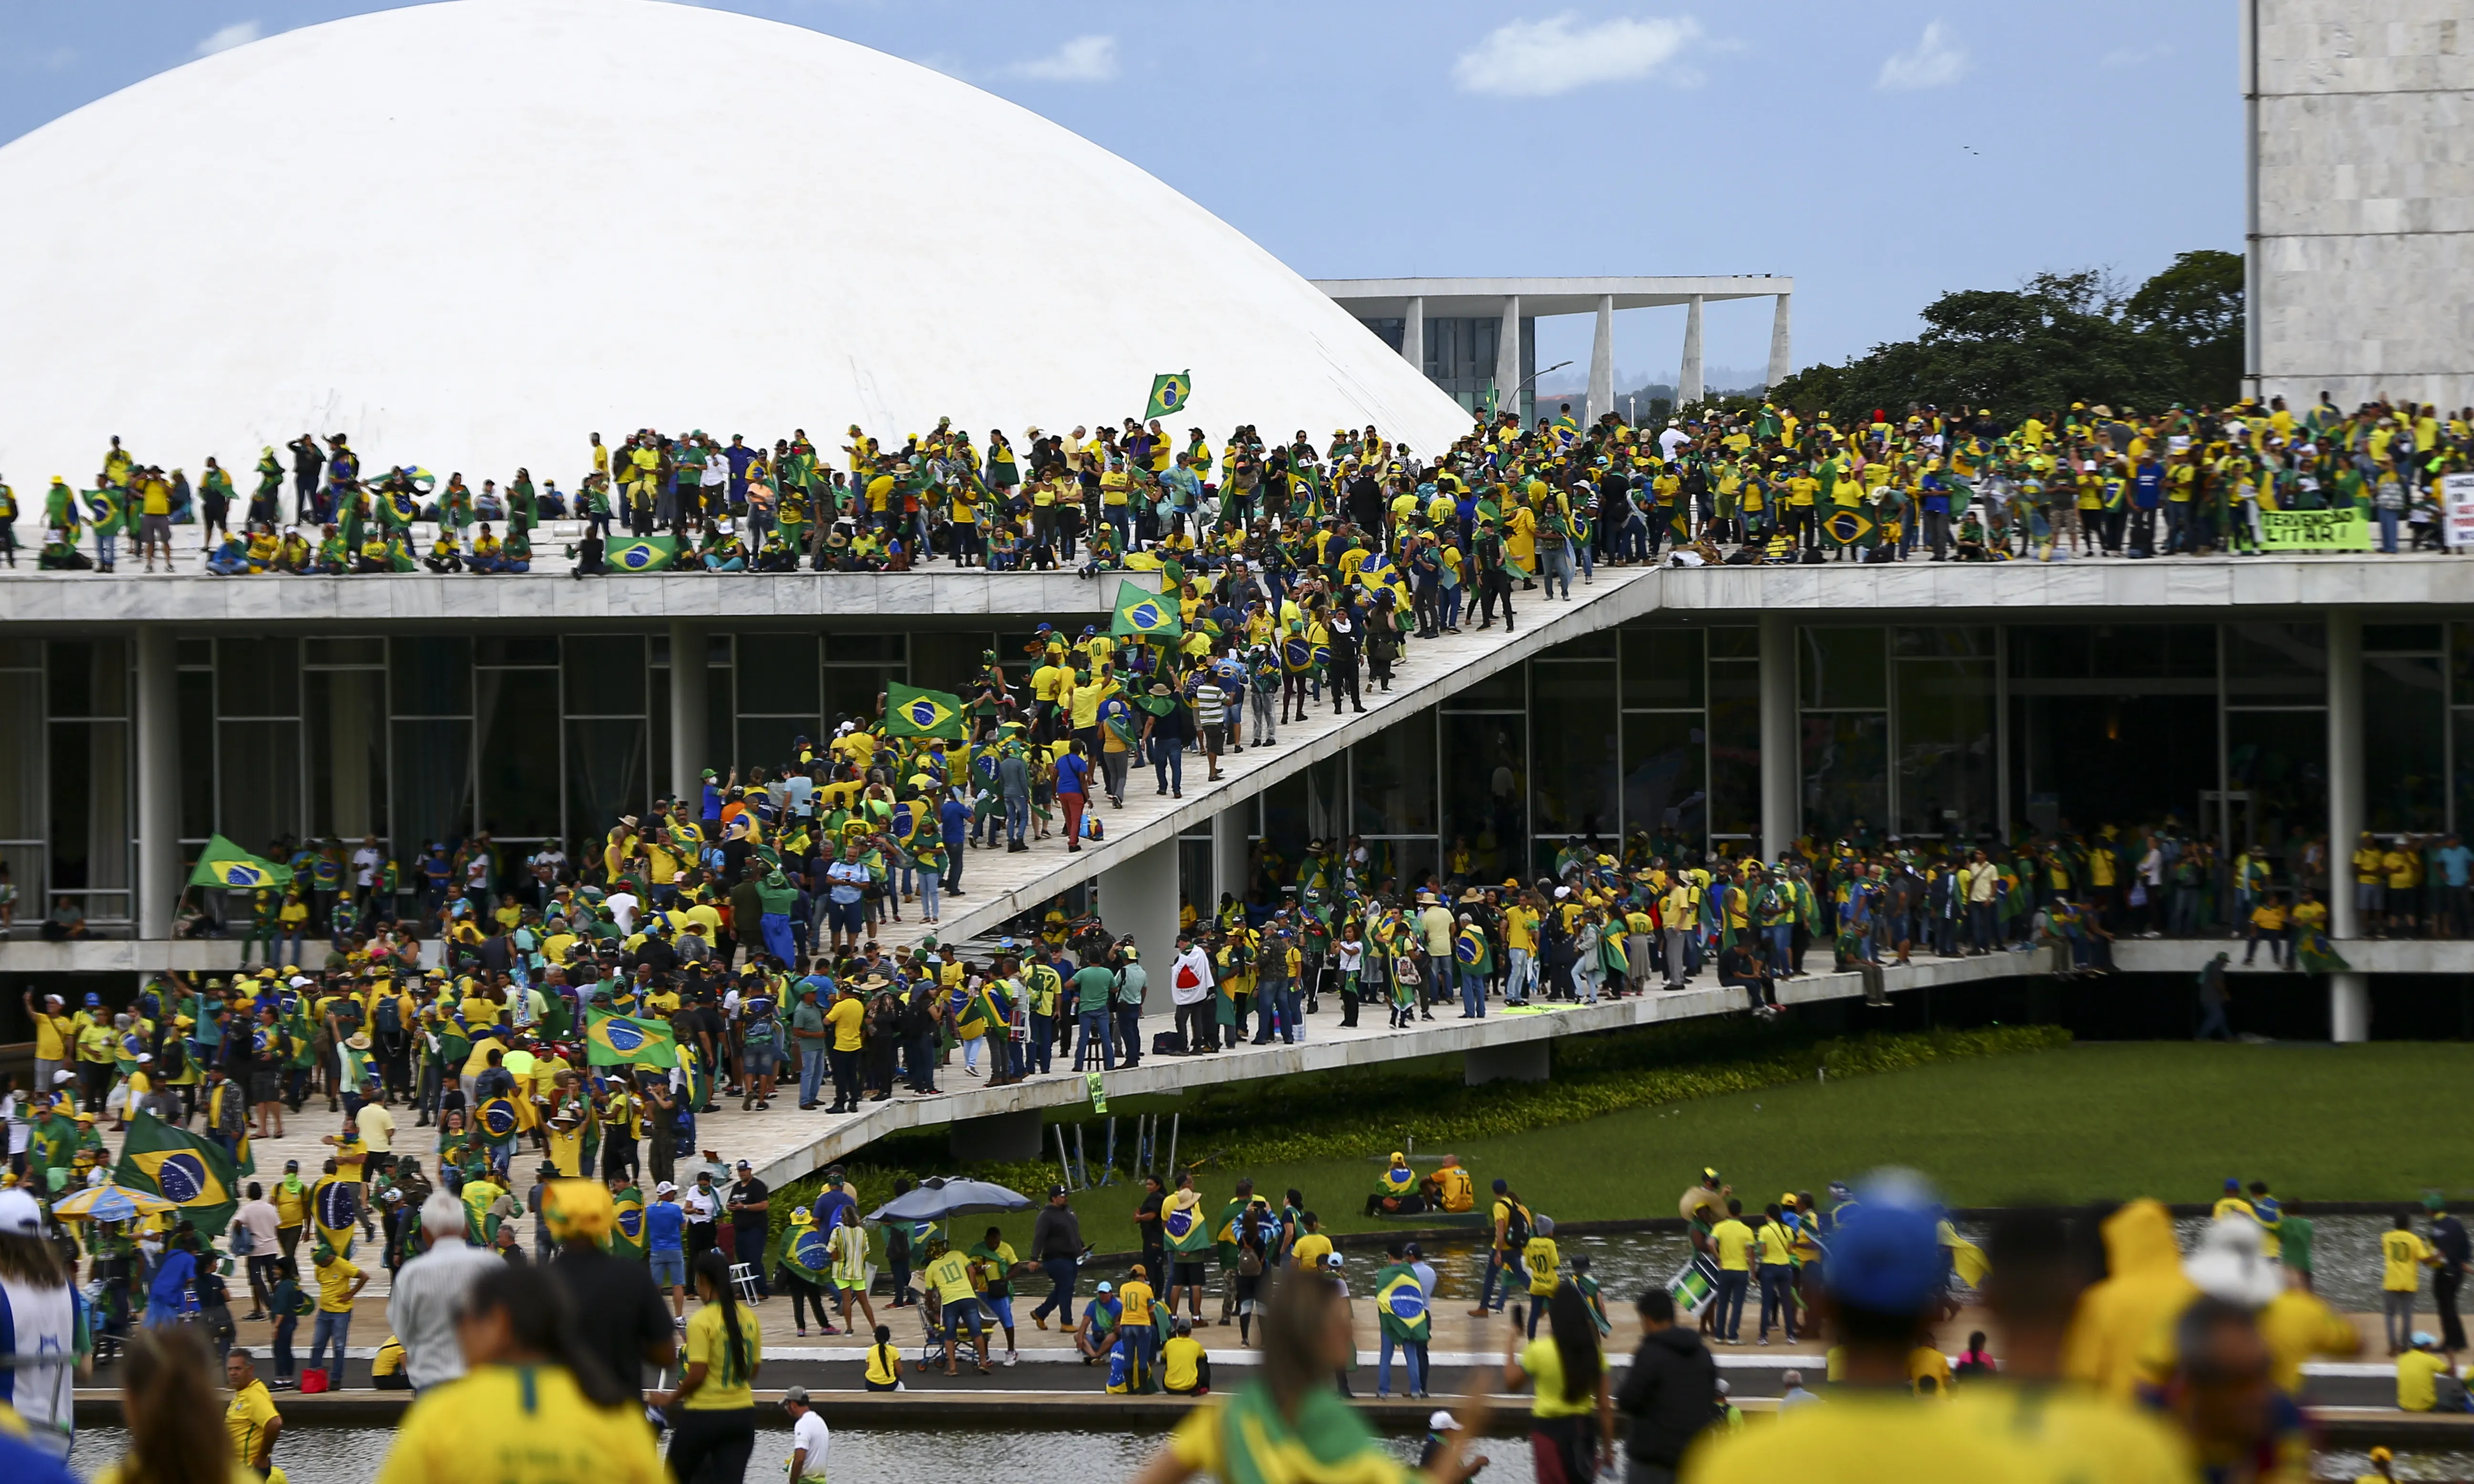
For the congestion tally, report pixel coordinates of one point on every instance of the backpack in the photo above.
(1515, 1228)
(243, 1240)
(391, 1016)
(758, 1034)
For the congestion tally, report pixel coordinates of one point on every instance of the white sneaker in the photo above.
(1011, 1356)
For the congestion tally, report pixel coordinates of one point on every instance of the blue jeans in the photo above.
(1043, 1042)
(1472, 993)
(1553, 563)
(1781, 948)
(1017, 817)
(1520, 977)
(1060, 1272)
(1168, 762)
(1094, 1027)
(1410, 1363)
(927, 883)
(1129, 1030)
(335, 1326)
(2388, 530)
(812, 1072)
(1293, 1012)
(1778, 1297)
(1495, 1267)
(1269, 1000)
(1734, 1283)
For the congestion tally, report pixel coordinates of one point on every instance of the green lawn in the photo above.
(2168, 1120)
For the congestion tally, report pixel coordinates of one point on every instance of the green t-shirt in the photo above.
(1092, 988)
(2293, 1238)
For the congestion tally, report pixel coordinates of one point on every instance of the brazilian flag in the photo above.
(807, 1253)
(1170, 392)
(1472, 951)
(189, 1171)
(641, 553)
(911, 712)
(1850, 527)
(335, 1210)
(106, 511)
(1142, 615)
(223, 863)
(622, 1041)
(627, 1224)
(496, 1120)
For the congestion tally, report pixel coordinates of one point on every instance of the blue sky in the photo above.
(1881, 152)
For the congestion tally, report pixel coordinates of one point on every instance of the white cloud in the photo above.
(1082, 59)
(1935, 62)
(239, 33)
(1538, 59)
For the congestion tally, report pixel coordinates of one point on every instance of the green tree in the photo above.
(2195, 305)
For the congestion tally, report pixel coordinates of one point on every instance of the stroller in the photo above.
(932, 1324)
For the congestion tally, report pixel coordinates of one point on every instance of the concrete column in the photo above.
(2349, 995)
(159, 782)
(688, 721)
(1782, 344)
(1602, 360)
(1140, 897)
(1231, 850)
(1507, 358)
(1687, 383)
(1413, 334)
(1780, 771)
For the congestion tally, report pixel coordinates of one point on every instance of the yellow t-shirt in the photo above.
(521, 1424)
(2297, 1326)
(53, 1035)
(1733, 1241)
(336, 1285)
(2079, 1433)
(1774, 1243)
(2402, 1254)
(1309, 1251)
(950, 1274)
(1180, 1363)
(2416, 1371)
(1539, 1259)
(1869, 1438)
(246, 1420)
(725, 1386)
(1544, 1364)
(1200, 1443)
(846, 1017)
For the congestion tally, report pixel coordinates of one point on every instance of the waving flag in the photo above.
(496, 1119)
(1170, 394)
(188, 1171)
(1141, 615)
(223, 863)
(911, 712)
(641, 553)
(621, 1040)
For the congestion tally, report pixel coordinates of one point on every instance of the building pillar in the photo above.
(689, 723)
(1413, 334)
(1602, 362)
(1781, 345)
(1507, 358)
(1779, 743)
(1230, 851)
(1140, 897)
(1688, 380)
(159, 782)
(2349, 995)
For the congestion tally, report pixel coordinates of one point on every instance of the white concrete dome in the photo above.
(468, 235)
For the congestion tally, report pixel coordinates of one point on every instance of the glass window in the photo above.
(198, 654)
(606, 761)
(348, 651)
(2279, 759)
(348, 775)
(431, 677)
(605, 674)
(852, 691)
(1734, 644)
(1663, 771)
(2080, 761)
(1846, 774)
(1599, 646)
(1302, 808)
(766, 742)
(777, 675)
(517, 722)
(2392, 638)
(89, 677)
(2130, 652)
(2277, 663)
(2404, 754)
(196, 691)
(90, 812)
(533, 651)
(1392, 779)
(258, 766)
(1573, 739)
(1405, 862)
(1946, 749)
(1501, 691)
(22, 743)
(948, 661)
(1952, 643)
(658, 695)
(257, 678)
(1735, 747)
(1485, 784)
(1843, 668)
(866, 648)
(432, 764)
(2460, 664)
(1662, 667)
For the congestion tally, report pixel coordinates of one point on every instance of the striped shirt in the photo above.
(1210, 704)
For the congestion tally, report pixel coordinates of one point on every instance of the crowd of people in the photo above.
(1556, 497)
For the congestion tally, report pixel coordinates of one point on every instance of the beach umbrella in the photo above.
(108, 1201)
(937, 1199)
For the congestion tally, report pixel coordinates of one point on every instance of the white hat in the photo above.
(62, 1076)
(1442, 1421)
(20, 1213)
(145, 1057)
(2230, 1263)
(666, 1188)
(298, 979)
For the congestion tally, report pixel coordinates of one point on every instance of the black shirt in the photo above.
(749, 1189)
(615, 1310)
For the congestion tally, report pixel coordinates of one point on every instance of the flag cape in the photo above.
(804, 1248)
(641, 553)
(1850, 527)
(1170, 394)
(627, 1224)
(106, 511)
(911, 712)
(223, 863)
(1141, 615)
(183, 1168)
(622, 1041)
